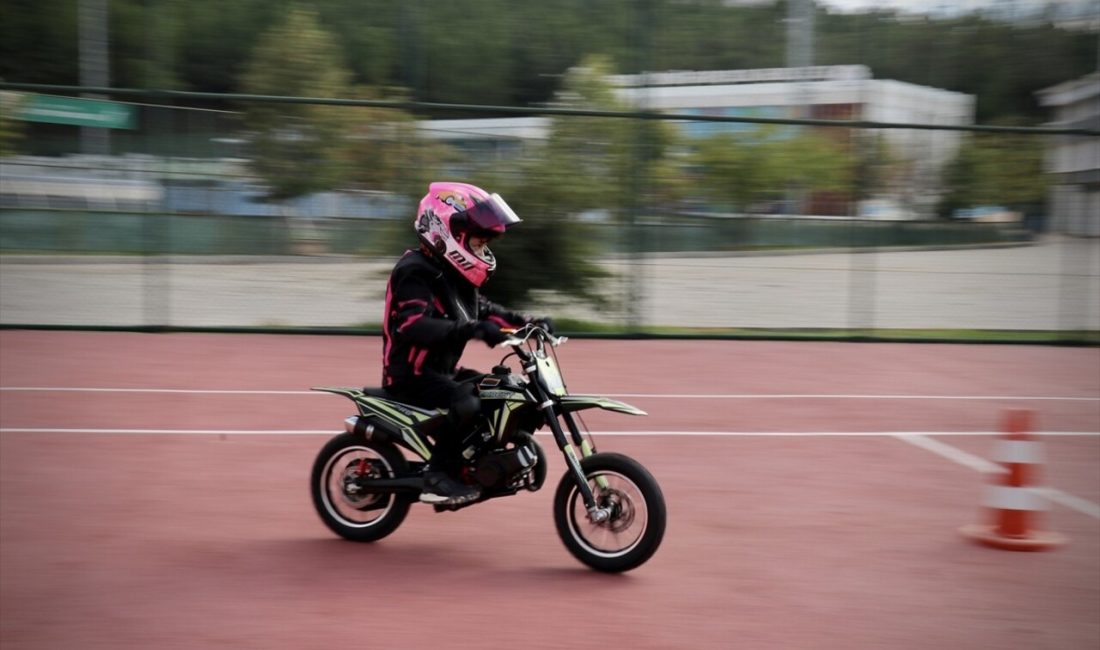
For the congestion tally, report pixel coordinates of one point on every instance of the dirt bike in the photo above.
(608, 509)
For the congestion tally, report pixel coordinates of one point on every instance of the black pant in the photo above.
(456, 393)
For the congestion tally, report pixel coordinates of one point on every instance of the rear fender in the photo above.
(406, 424)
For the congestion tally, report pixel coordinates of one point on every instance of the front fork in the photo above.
(587, 449)
(578, 439)
(595, 513)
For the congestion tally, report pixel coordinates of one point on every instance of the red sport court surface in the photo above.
(154, 494)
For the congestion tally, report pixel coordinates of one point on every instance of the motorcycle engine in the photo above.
(496, 469)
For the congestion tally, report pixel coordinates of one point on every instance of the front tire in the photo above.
(637, 524)
(347, 511)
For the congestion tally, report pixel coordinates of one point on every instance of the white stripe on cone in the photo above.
(1004, 497)
(1028, 452)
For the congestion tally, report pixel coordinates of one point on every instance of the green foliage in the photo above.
(996, 169)
(730, 171)
(38, 41)
(812, 161)
(737, 170)
(303, 148)
(583, 167)
(297, 148)
(604, 162)
(11, 130)
(500, 51)
(715, 35)
(551, 254)
(548, 257)
(213, 40)
(369, 34)
(383, 150)
(1002, 63)
(149, 66)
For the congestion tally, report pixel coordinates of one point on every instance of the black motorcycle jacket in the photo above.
(430, 315)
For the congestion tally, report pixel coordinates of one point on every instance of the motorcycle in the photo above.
(608, 509)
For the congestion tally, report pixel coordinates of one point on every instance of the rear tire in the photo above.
(351, 514)
(637, 524)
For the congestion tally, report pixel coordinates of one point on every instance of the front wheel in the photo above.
(347, 509)
(632, 533)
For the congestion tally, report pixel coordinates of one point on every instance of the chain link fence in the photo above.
(725, 223)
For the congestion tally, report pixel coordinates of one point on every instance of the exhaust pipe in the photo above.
(358, 425)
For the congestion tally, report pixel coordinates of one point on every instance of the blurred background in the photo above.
(925, 170)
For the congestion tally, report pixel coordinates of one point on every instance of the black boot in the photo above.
(441, 489)
(440, 483)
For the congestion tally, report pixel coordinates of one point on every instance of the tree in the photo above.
(297, 148)
(729, 171)
(604, 159)
(496, 51)
(38, 41)
(385, 151)
(551, 256)
(11, 128)
(585, 166)
(737, 171)
(996, 169)
(213, 39)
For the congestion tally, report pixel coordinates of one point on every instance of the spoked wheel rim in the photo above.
(626, 526)
(340, 494)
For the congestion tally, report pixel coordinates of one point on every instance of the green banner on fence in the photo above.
(76, 111)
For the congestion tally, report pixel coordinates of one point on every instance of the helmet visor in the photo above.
(487, 218)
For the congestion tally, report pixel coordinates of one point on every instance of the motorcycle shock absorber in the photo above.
(595, 513)
(585, 445)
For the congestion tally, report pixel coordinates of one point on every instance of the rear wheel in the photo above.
(633, 531)
(345, 508)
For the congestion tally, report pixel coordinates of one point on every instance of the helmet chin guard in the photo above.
(450, 214)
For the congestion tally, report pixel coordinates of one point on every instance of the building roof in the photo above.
(1072, 91)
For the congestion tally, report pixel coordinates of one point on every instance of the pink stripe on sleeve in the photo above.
(420, 361)
(412, 319)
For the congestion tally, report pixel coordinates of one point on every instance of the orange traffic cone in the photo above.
(1010, 498)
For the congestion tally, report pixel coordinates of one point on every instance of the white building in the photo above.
(1074, 204)
(821, 92)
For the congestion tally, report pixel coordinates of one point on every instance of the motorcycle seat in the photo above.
(377, 392)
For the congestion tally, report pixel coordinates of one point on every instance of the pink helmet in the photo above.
(450, 214)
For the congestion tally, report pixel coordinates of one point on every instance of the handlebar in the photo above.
(519, 336)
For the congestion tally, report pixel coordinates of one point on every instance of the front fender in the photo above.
(570, 403)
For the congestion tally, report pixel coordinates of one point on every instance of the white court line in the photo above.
(1070, 501)
(779, 396)
(196, 391)
(855, 396)
(729, 434)
(919, 439)
(986, 467)
(953, 454)
(181, 432)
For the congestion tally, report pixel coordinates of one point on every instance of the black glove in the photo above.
(544, 322)
(489, 332)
